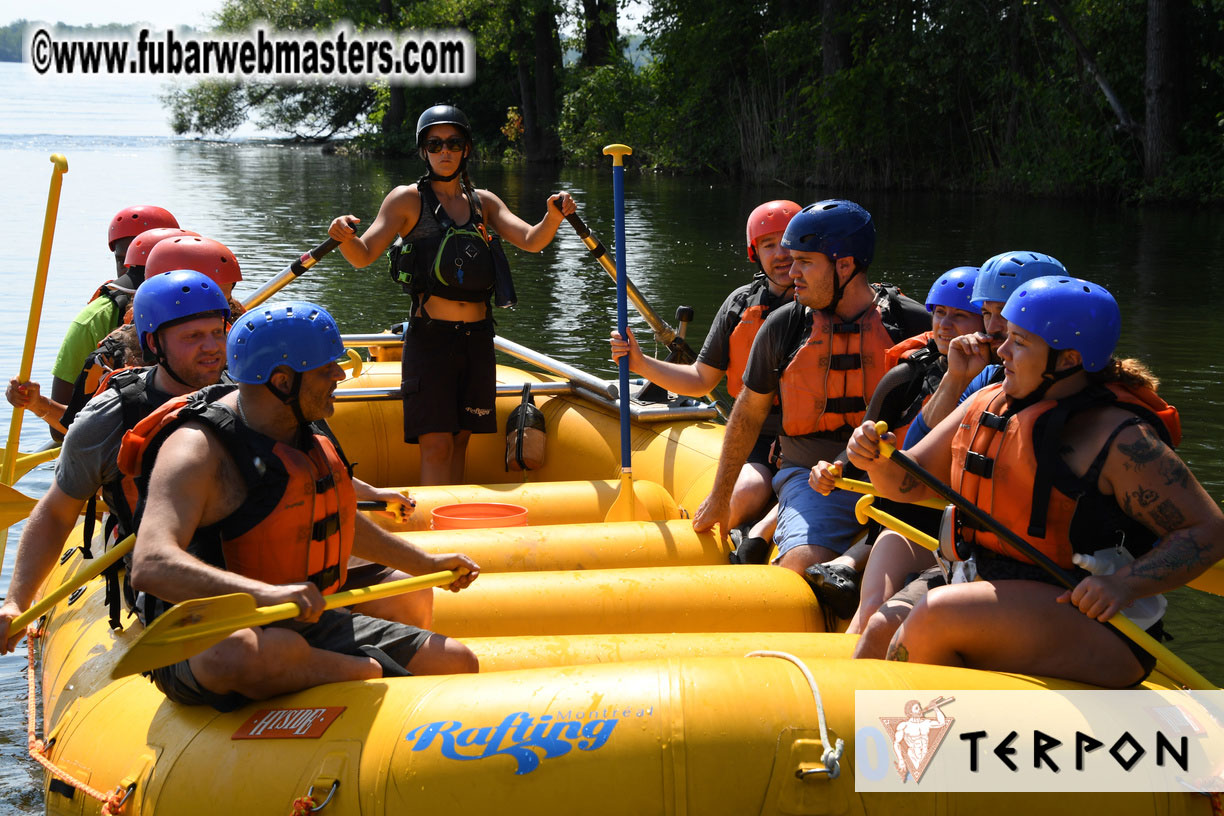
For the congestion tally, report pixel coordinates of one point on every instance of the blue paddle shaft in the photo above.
(622, 305)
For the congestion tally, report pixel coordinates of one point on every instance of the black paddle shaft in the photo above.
(679, 351)
(982, 518)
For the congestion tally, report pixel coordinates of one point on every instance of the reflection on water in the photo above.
(685, 246)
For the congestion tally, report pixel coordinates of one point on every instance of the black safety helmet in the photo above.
(442, 115)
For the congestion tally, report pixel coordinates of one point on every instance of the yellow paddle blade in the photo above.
(628, 506)
(14, 506)
(25, 462)
(192, 626)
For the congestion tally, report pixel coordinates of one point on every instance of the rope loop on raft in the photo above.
(305, 805)
(113, 802)
(831, 756)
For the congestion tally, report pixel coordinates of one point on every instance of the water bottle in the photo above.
(1143, 611)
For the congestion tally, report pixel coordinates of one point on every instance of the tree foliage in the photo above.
(1001, 95)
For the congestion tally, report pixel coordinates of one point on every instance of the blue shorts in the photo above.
(806, 517)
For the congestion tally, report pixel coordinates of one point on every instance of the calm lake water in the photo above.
(685, 246)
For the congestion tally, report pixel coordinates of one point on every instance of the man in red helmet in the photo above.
(152, 253)
(109, 303)
(726, 349)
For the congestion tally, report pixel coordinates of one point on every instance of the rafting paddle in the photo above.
(190, 627)
(1169, 663)
(14, 505)
(679, 349)
(8, 464)
(289, 273)
(623, 508)
(92, 569)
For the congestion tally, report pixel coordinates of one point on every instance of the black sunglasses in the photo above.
(454, 144)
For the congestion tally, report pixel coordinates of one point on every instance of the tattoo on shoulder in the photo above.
(1167, 516)
(1143, 450)
(898, 652)
(1174, 470)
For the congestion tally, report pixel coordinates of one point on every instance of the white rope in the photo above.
(831, 755)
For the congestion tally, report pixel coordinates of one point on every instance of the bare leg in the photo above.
(752, 493)
(766, 526)
(879, 630)
(459, 456)
(1013, 626)
(893, 557)
(443, 655)
(437, 453)
(263, 663)
(805, 555)
(412, 608)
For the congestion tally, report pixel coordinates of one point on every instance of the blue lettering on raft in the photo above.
(519, 735)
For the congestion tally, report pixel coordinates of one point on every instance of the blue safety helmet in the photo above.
(1068, 313)
(953, 289)
(296, 334)
(1004, 272)
(174, 297)
(836, 228)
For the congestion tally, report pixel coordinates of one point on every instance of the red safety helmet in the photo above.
(131, 221)
(772, 216)
(139, 249)
(204, 255)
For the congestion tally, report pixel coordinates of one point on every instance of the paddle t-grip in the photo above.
(618, 152)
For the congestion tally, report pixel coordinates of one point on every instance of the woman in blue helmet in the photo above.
(1078, 449)
(447, 263)
(972, 358)
(918, 365)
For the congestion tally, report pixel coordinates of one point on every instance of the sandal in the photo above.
(836, 587)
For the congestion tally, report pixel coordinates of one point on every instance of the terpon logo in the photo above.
(916, 737)
(525, 738)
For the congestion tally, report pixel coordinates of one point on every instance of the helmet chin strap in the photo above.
(163, 362)
(435, 177)
(1049, 377)
(786, 287)
(291, 398)
(839, 288)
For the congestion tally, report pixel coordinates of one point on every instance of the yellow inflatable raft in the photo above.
(615, 678)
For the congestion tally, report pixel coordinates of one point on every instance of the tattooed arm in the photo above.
(1153, 486)
(934, 453)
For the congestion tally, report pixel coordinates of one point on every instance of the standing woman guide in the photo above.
(447, 264)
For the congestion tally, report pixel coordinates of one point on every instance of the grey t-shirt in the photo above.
(88, 458)
(716, 351)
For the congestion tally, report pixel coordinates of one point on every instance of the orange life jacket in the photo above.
(921, 353)
(826, 385)
(751, 314)
(996, 453)
(298, 519)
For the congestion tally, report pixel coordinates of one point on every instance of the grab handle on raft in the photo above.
(1167, 662)
(91, 570)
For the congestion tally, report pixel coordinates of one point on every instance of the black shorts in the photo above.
(995, 567)
(449, 378)
(337, 630)
(760, 453)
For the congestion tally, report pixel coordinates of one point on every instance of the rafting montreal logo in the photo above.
(916, 737)
(526, 738)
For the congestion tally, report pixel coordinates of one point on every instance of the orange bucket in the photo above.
(477, 514)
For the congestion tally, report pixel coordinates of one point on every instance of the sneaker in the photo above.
(836, 587)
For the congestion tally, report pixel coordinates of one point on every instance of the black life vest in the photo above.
(458, 264)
